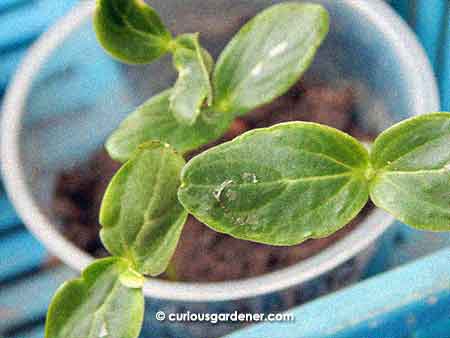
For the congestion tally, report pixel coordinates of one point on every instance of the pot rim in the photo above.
(347, 247)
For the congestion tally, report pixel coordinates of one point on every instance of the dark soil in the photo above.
(202, 254)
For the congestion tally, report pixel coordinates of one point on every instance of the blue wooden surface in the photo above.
(413, 301)
(26, 300)
(8, 216)
(20, 252)
(20, 23)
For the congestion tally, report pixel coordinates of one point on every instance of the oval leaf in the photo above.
(107, 301)
(412, 164)
(280, 185)
(154, 121)
(131, 31)
(193, 86)
(140, 213)
(268, 55)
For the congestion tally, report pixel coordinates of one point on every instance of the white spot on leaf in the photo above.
(257, 69)
(184, 72)
(278, 49)
(219, 190)
(103, 331)
(252, 220)
(248, 177)
(231, 195)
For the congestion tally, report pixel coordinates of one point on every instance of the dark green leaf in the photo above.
(412, 165)
(154, 121)
(131, 31)
(141, 216)
(280, 185)
(107, 301)
(193, 86)
(268, 56)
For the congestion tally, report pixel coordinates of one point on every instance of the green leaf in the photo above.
(154, 121)
(411, 161)
(107, 301)
(268, 55)
(131, 31)
(280, 185)
(140, 213)
(193, 86)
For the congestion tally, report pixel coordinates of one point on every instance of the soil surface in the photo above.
(202, 254)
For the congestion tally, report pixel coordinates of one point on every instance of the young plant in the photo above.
(280, 185)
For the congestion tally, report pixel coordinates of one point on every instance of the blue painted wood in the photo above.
(23, 23)
(8, 216)
(19, 252)
(440, 328)
(395, 304)
(8, 63)
(429, 25)
(444, 67)
(12, 4)
(27, 300)
(403, 8)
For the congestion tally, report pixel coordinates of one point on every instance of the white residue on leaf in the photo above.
(240, 221)
(231, 195)
(185, 72)
(103, 331)
(248, 177)
(217, 193)
(278, 49)
(249, 220)
(252, 220)
(257, 69)
(447, 167)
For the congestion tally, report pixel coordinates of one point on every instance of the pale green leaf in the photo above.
(193, 87)
(154, 121)
(268, 55)
(140, 213)
(131, 31)
(411, 162)
(102, 303)
(280, 185)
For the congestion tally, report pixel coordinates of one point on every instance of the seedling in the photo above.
(280, 185)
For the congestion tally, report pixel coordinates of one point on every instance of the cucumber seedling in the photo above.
(280, 185)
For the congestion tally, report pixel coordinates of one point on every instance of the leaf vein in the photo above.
(390, 163)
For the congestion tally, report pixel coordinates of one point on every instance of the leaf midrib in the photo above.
(283, 180)
(156, 189)
(414, 171)
(412, 195)
(324, 203)
(391, 163)
(143, 34)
